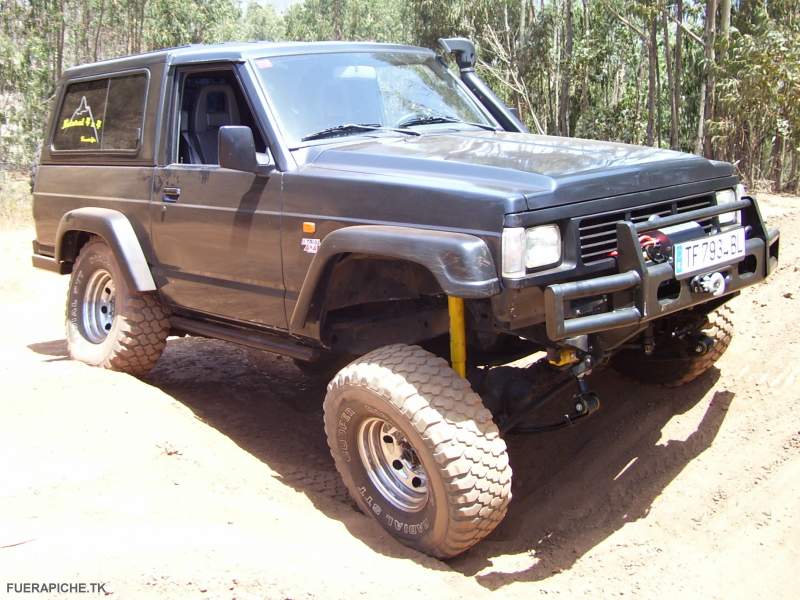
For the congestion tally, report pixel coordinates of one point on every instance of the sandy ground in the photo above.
(211, 477)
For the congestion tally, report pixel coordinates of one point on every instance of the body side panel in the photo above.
(462, 264)
(333, 199)
(217, 246)
(62, 188)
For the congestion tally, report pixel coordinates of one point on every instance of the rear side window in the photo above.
(102, 114)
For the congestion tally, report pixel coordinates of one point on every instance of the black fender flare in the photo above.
(115, 228)
(461, 263)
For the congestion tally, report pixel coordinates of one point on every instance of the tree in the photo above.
(564, 101)
(706, 110)
(671, 82)
(715, 76)
(261, 22)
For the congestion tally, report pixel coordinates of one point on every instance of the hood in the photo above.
(544, 170)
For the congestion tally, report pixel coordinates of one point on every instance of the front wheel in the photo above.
(417, 449)
(676, 362)
(108, 324)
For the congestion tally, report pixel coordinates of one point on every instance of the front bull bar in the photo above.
(633, 292)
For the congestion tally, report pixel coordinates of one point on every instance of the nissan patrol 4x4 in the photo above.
(387, 222)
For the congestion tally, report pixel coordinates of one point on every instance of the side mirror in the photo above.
(236, 149)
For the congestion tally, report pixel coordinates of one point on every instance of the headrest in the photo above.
(216, 106)
(184, 121)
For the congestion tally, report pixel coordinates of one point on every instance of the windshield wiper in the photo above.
(350, 128)
(433, 119)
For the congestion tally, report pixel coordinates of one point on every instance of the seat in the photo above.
(189, 152)
(215, 107)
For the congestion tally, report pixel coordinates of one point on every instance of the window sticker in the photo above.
(83, 117)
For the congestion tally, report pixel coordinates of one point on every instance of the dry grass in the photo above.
(15, 200)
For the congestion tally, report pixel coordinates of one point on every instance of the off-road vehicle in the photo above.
(385, 219)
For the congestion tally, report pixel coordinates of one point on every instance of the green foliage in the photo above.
(178, 22)
(760, 96)
(577, 67)
(262, 23)
(365, 20)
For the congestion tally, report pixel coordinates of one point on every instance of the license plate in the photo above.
(696, 256)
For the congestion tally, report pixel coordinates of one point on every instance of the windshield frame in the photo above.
(298, 144)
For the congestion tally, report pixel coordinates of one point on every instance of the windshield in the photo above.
(314, 93)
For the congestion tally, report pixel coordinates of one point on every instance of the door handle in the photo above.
(170, 194)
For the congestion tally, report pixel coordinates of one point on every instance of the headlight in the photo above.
(542, 246)
(727, 197)
(530, 248)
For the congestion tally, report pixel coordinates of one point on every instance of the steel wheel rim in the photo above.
(392, 465)
(98, 311)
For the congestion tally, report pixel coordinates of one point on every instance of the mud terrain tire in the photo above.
(109, 325)
(405, 396)
(673, 368)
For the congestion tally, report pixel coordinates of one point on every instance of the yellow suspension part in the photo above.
(561, 357)
(458, 335)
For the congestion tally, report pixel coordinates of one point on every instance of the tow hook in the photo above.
(712, 283)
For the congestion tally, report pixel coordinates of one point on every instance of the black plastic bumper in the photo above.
(635, 296)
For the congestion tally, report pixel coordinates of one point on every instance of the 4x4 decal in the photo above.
(83, 117)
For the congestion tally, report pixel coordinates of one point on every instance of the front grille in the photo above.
(598, 235)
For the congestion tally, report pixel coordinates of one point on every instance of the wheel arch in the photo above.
(461, 264)
(77, 226)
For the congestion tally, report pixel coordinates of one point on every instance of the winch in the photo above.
(662, 241)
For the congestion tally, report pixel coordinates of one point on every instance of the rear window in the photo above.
(102, 114)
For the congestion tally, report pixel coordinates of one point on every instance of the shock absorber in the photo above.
(458, 335)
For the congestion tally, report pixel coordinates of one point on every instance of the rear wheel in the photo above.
(677, 361)
(108, 324)
(417, 449)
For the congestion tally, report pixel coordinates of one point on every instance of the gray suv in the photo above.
(391, 225)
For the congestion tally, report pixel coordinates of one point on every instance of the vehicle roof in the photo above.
(229, 51)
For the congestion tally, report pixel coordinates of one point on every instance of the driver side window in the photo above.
(208, 101)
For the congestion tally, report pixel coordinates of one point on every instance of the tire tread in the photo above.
(456, 428)
(143, 329)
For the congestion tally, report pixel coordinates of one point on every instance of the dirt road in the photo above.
(211, 477)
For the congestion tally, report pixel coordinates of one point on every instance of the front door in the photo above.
(216, 232)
